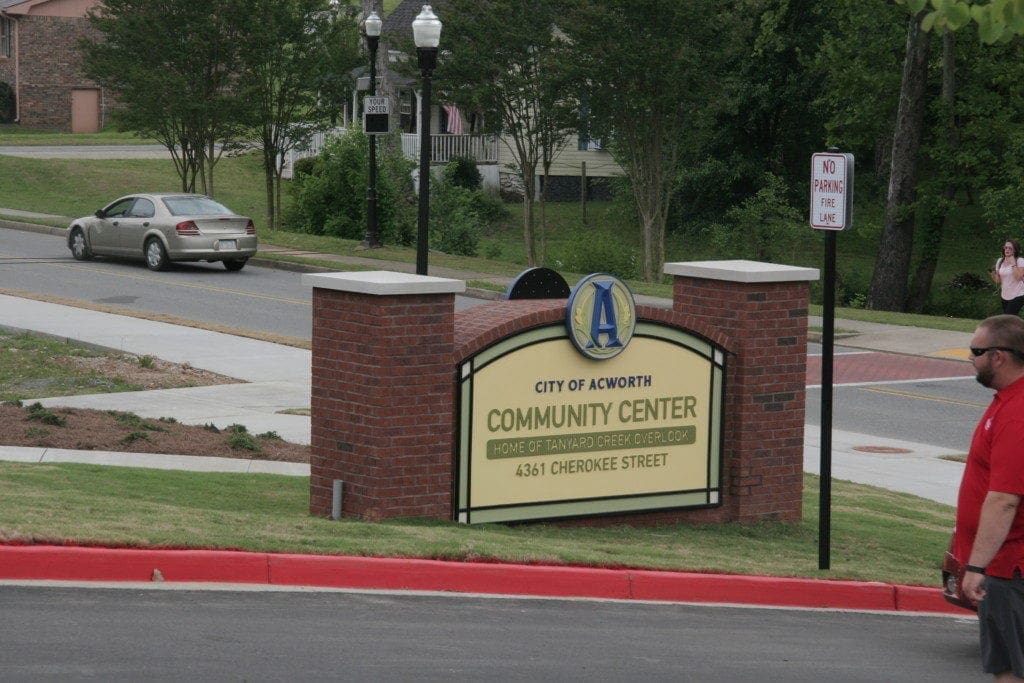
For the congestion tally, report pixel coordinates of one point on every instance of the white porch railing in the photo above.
(310, 149)
(483, 149)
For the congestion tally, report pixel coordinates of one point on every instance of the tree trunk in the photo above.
(270, 166)
(545, 169)
(892, 267)
(934, 226)
(277, 200)
(529, 192)
(269, 178)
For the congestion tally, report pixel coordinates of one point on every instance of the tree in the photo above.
(172, 65)
(771, 126)
(935, 205)
(998, 21)
(653, 75)
(892, 266)
(290, 48)
(505, 59)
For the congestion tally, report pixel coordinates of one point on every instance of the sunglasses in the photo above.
(982, 350)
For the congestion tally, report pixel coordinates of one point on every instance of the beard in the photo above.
(985, 376)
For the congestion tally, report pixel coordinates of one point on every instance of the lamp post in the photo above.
(371, 29)
(426, 33)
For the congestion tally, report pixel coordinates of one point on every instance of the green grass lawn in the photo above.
(877, 535)
(11, 134)
(77, 187)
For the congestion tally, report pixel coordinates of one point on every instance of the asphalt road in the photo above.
(254, 299)
(940, 413)
(136, 634)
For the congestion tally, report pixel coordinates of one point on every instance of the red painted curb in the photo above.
(764, 590)
(434, 575)
(72, 563)
(922, 599)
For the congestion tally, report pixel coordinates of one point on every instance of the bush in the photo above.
(596, 251)
(462, 172)
(763, 227)
(960, 303)
(852, 289)
(7, 109)
(455, 223)
(38, 413)
(305, 166)
(243, 441)
(966, 295)
(970, 282)
(330, 192)
(489, 206)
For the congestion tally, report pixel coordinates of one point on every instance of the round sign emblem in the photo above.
(600, 316)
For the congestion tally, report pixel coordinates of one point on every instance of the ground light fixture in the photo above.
(426, 33)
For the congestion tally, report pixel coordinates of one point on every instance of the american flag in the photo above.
(454, 119)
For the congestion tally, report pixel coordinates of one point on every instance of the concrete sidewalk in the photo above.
(277, 378)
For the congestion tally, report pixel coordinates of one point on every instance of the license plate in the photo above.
(227, 245)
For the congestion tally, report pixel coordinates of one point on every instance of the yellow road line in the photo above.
(958, 353)
(923, 397)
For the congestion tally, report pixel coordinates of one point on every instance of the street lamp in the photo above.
(426, 33)
(371, 29)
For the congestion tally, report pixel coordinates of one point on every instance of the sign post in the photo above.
(831, 210)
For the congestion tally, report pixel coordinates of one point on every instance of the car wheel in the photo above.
(156, 255)
(235, 264)
(79, 247)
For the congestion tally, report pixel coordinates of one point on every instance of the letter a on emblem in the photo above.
(603, 320)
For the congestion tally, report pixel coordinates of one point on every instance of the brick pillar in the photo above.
(763, 307)
(382, 394)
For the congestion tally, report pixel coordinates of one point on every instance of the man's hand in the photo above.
(973, 587)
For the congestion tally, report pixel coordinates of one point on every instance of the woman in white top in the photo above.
(1009, 274)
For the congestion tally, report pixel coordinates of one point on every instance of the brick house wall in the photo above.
(51, 66)
(7, 63)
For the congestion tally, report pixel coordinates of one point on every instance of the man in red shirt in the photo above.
(989, 518)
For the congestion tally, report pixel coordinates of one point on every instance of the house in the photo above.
(40, 61)
(456, 133)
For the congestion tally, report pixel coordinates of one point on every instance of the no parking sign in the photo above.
(831, 191)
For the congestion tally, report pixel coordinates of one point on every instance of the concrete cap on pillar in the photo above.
(741, 271)
(383, 283)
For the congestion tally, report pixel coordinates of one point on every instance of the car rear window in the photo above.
(195, 206)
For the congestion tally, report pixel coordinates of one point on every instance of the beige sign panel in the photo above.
(546, 432)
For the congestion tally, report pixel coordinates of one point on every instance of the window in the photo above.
(119, 208)
(143, 208)
(195, 205)
(586, 143)
(5, 37)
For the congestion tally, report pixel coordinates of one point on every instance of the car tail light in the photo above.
(187, 228)
(250, 228)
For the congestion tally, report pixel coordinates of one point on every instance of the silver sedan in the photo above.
(161, 228)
